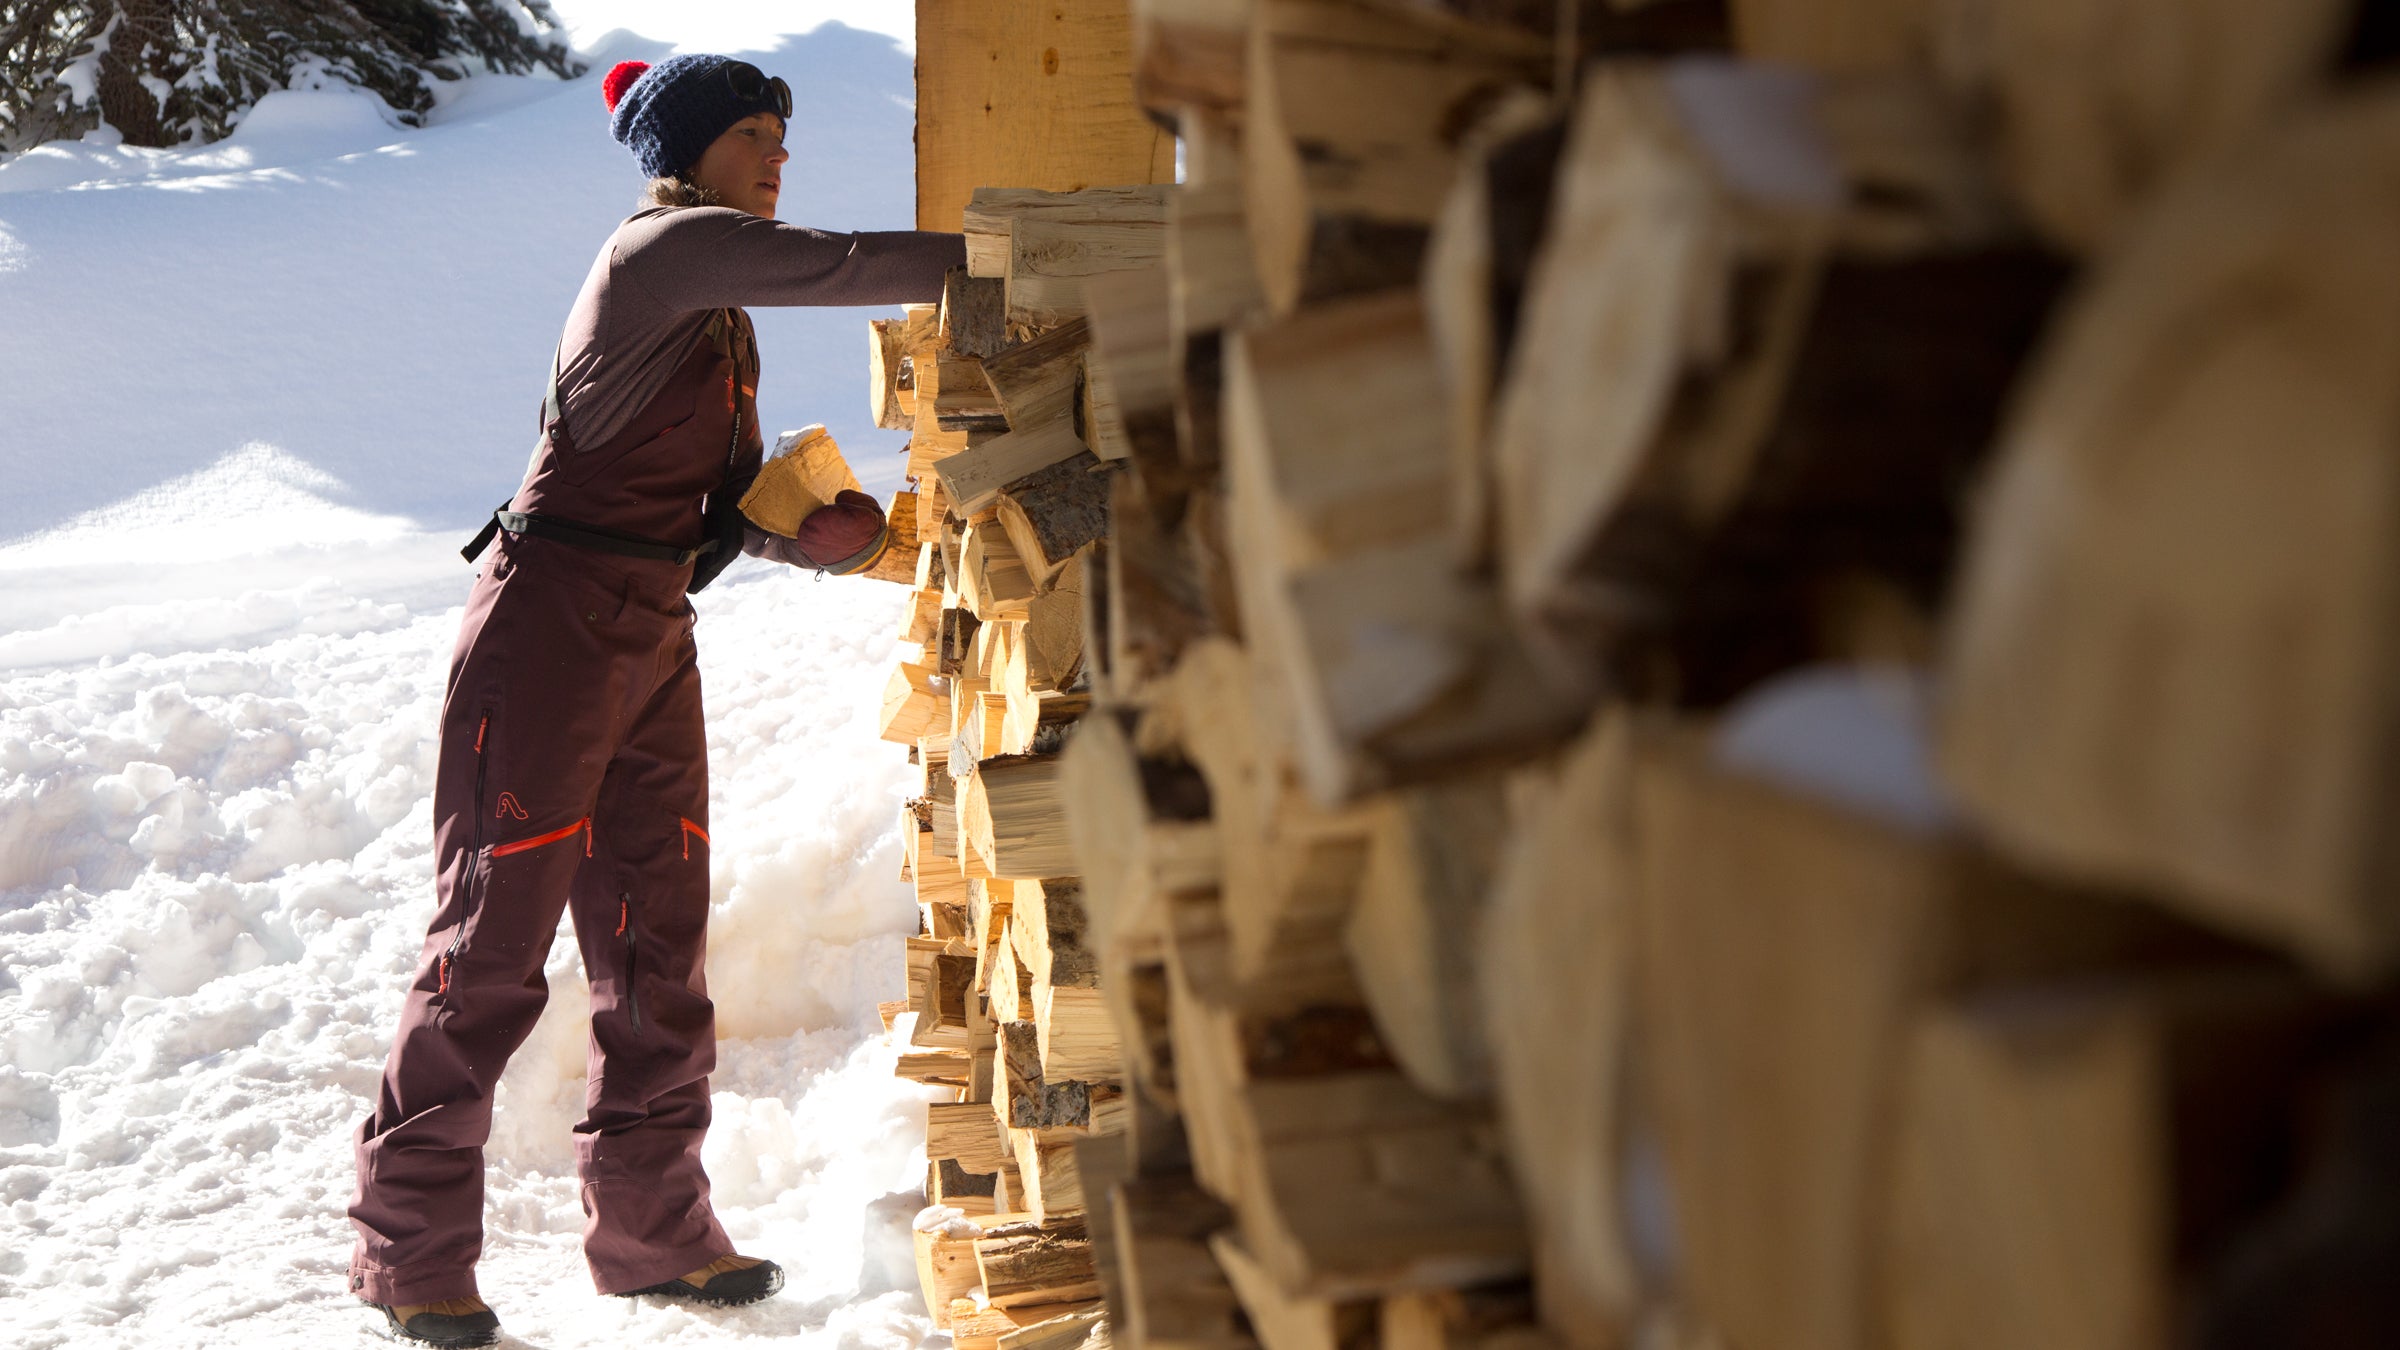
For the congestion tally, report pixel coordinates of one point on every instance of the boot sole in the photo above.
(393, 1331)
(679, 1290)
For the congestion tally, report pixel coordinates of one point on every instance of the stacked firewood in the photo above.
(1009, 455)
(1669, 674)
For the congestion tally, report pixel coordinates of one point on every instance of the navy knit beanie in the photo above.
(668, 114)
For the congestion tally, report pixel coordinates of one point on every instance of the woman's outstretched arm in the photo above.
(712, 257)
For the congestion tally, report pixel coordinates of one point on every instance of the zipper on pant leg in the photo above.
(466, 906)
(633, 991)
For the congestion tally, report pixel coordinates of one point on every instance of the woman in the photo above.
(573, 768)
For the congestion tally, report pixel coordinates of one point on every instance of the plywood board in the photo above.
(1027, 94)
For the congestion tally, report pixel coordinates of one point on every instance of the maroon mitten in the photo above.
(845, 535)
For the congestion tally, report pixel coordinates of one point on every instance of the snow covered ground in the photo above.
(252, 396)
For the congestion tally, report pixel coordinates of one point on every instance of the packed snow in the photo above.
(255, 395)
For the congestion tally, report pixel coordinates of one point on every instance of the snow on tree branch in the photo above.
(170, 72)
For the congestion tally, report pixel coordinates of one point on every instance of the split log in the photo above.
(929, 554)
(964, 1132)
(975, 478)
(1067, 1331)
(1345, 1178)
(1011, 994)
(1480, 1317)
(1049, 261)
(1051, 1180)
(924, 620)
(1775, 1107)
(1053, 637)
(966, 402)
(1475, 275)
(1030, 1100)
(1132, 362)
(1289, 868)
(1037, 724)
(945, 919)
(1214, 288)
(982, 728)
(1190, 52)
(1175, 1296)
(1076, 1037)
(993, 643)
(974, 319)
(1013, 813)
(1207, 532)
(1284, 1320)
(1105, 1162)
(1052, 513)
(932, 505)
(1414, 932)
(804, 473)
(938, 1068)
(952, 539)
(1133, 985)
(887, 360)
(1037, 381)
(993, 212)
(1337, 554)
(1329, 473)
(993, 580)
(1023, 1265)
(2084, 133)
(2070, 1165)
(929, 442)
(1347, 137)
(1155, 596)
(1740, 434)
(1214, 285)
(970, 1193)
(987, 935)
(946, 1271)
(2170, 660)
(957, 637)
(974, 1327)
(940, 972)
(1556, 969)
(1139, 829)
(1361, 716)
(912, 706)
(900, 557)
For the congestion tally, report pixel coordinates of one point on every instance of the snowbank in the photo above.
(217, 870)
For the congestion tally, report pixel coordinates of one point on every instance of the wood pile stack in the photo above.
(1670, 674)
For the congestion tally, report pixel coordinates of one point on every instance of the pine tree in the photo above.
(170, 72)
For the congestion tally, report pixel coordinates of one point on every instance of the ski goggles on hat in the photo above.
(752, 85)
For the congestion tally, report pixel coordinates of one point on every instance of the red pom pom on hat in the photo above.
(619, 79)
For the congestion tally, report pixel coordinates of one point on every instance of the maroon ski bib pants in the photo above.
(573, 775)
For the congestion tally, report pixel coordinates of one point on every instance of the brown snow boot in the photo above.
(453, 1323)
(726, 1281)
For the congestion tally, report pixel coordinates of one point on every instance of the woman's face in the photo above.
(744, 167)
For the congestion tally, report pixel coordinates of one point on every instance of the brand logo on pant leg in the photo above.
(509, 807)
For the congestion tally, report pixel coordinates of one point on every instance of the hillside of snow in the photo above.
(255, 394)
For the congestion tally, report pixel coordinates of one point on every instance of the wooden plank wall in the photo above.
(1027, 93)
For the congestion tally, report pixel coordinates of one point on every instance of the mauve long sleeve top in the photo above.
(666, 270)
